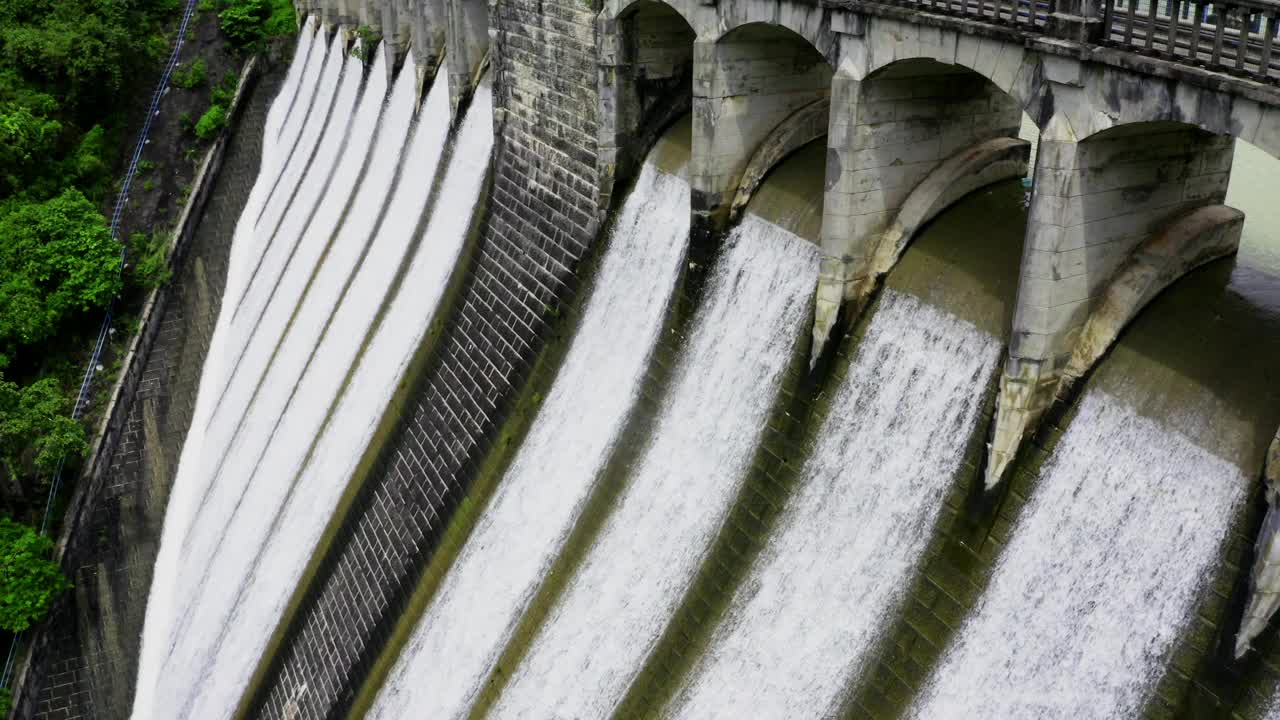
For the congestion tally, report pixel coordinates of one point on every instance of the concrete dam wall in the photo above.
(715, 359)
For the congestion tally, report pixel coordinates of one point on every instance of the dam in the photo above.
(709, 359)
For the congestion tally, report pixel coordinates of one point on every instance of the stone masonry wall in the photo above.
(87, 665)
(542, 218)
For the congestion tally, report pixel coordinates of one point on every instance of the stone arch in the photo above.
(1010, 66)
(645, 82)
(614, 11)
(1097, 202)
(968, 170)
(747, 82)
(896, 119)
(1088, 98)
(1200, 236)
(802, 127)
(804, 20)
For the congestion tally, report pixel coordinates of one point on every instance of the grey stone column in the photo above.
(1094, 202)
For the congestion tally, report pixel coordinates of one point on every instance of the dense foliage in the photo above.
(29, 580)
(57, 258)
(247, 22)
(36, 429)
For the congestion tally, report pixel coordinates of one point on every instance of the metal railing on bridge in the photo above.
(1238, 37)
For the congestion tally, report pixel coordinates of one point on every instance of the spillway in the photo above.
(1100, 576)
(796, 631)
(537, 504)
(352, 267)
(647, 553)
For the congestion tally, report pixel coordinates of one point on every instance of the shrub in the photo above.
(243, 20)
(212, 122)
(148, 260)
(36, 428)
(190, 75)
(29, 580)
(57, 258)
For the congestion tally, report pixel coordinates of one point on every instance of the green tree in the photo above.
(36, 428)
(29, 580)
(243, 20)
(213, 120)
(27, 141)
(56, 258)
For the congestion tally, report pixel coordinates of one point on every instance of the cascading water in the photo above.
(272, 390)
(189, 483)
(1100, 576)
(526, 526)
(841, 554)
(322, 389)
(647, 553)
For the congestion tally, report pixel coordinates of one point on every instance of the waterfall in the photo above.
(615, 606)
(353, 303)
(271, 392)
(796, 632)
(277, 150)
(187, 484)
(526, 526)
(1099, 578)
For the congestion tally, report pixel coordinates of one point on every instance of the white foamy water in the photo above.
(290, 255)
(1099, 578)
(301, 185)
(189, 484)
(535, 506)
(798, 629)
(277, 559)
(614, 608)
(358, 267)
(276, 153)
(257, 489)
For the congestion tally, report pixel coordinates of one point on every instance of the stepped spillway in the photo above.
(536, 505)
(352, 266)
(1100, 576)
(617, 603)
(844, 548)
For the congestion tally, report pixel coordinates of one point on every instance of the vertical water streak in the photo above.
(187, 483)
(536, 505)
(329, 290)
(262, 341)
(1099, 578)
(843, 548)
(279, 558)
(615, 607)
(289, 254)
(244, 245)
(289, 89)
(339, 84)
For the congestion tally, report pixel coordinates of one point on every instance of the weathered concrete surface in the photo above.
(888, 133)
(1094, 202)
(467, 48)
(1264, 583)
(745, 85)
(645, 62)
(799, 129)
(1200, 236)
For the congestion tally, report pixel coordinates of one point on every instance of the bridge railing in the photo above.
(1241, 37)
(1025, 14)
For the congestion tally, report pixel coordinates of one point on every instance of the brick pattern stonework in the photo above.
(86, 665)
(542, 219)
